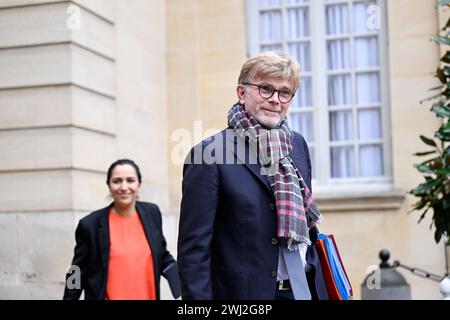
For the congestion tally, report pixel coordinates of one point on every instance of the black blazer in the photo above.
(92, 253)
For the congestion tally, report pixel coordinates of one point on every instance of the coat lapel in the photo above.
(299, 157)
(103, 237)
(150, 232)
(246, 156)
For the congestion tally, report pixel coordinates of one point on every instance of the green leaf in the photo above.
(447, 151)
(428, 141)
(436, 164)
(446, 69)
(442, 40)
(422, 203)
(422, 216)
(443, 2)
(433, 97)
(426, 187)
(420, 154)
(446, 126)
(423, 168)
(446, 202)
(443, 171)
(440, 75)
(437, 159)
(446, 92)
(446, 57)
(437, 235)
(438, 87)
(443, 135)
(441, 110)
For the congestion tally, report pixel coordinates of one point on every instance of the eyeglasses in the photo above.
(266, 91)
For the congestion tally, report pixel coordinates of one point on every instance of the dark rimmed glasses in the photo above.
(267, 91)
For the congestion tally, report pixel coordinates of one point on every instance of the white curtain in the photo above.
(369, 123)
(368, 88)
(270, 26)
(366, 52)
(337, 19)
(366, 55)
(342, 164)
(297, 28)
(296, 1)
(338, 54)
(301, 51)
(303, 123)
(268, 3)
(342, 120)
(373, 155)
(297, 23)
(339, 90)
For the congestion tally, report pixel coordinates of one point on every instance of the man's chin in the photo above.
(269, 124)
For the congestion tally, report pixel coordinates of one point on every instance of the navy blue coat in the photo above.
(228, 245)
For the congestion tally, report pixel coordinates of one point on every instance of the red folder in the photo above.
(333, 292)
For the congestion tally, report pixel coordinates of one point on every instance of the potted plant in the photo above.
(433, 195)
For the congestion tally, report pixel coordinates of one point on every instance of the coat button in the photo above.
(274, 241)
(272, 206)
(273, 274)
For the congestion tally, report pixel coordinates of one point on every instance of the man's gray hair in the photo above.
(271, 64)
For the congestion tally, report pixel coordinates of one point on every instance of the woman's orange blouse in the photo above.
(130, 273)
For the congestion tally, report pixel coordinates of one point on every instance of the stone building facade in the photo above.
(83, 83)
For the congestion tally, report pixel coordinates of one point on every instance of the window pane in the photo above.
(268, 3)
(369, 123)
(371, 158)
(296, 1)
(303, 97)
(297, 23)
(338, 54)
(362, 17)
(273, 47)
(337, 19)
(303, 123)
(270, 27)
(302, 53)
(368, 88)
(312, 154)
(366, 52)
(341, 126)
(339, 90)
(304, 92)
(342, 162)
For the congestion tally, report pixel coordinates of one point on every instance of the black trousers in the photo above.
(284, 295)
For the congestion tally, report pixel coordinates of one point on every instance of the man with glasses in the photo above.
(247, 227)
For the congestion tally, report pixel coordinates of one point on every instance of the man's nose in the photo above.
(275, 98)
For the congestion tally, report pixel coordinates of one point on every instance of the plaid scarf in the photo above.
(296, 208)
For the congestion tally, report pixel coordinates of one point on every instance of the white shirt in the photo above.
(282, 272)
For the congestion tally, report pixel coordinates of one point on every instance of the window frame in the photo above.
(322, 180)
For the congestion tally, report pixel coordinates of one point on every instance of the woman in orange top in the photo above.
(120, 250)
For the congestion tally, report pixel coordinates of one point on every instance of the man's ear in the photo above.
(240, 90)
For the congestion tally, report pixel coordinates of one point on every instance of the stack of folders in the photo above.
(335, 277)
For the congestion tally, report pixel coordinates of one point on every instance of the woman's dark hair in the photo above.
(122, 162)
